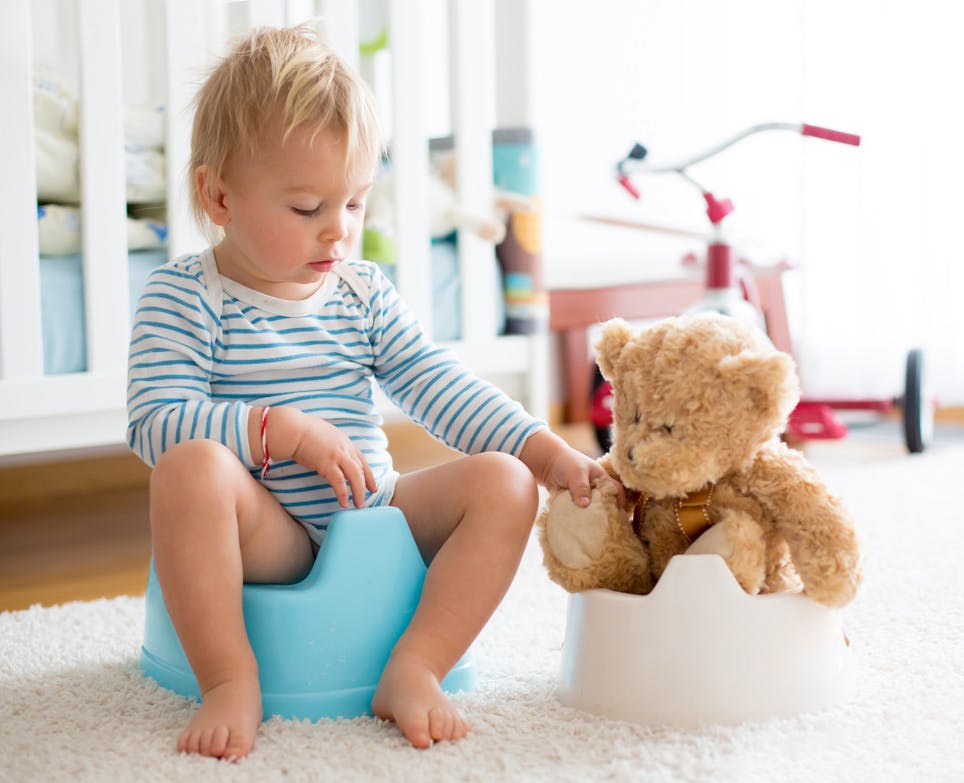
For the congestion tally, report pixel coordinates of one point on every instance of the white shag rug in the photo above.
(73, 705)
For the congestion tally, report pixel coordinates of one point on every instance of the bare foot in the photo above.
(226, 722)
(409, 694)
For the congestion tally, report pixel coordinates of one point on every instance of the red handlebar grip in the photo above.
(627, 183)
(830, 135)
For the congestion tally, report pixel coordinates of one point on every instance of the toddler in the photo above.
(250, 392)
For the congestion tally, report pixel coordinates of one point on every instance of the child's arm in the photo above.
(556, 465)
(172, 346)
(316, 444)
(434, 388)
(460, 409)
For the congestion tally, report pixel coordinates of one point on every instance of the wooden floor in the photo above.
(62, 541)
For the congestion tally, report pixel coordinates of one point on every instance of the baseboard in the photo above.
(411, 447)
(45, 480)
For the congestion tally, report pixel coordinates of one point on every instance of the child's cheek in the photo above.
(281, 236)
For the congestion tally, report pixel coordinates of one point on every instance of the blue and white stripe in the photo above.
(204, 350)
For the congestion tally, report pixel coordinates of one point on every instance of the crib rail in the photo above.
(28, 400)
(20, 339)
(76, 410)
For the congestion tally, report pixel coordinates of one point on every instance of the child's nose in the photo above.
(336, 229)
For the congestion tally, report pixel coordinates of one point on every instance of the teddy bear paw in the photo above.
(576, 535)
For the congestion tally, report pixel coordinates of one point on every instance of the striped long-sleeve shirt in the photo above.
(205, 349)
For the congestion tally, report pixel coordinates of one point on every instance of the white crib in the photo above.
(43, 414)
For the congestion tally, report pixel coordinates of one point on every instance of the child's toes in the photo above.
(235, 751)
(204, 741)
(218, 742)
(188, 742)
(415, 727)
(441, 723)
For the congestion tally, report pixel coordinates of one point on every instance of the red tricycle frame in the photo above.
(728, 288)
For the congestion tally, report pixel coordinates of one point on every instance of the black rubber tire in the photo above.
(604, 438)
(603, 431)
(918, 412)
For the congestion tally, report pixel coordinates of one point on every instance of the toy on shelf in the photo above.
(728, 289)
(446, 215)
(512, 222)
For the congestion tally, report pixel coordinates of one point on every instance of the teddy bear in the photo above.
(700, 402)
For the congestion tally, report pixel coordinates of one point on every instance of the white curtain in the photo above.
(873, 230)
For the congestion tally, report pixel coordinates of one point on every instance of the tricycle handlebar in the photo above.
(632, 162)
(830, 135)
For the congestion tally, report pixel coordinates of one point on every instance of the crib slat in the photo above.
(515, 101)
(341, 29)
(190, 37)
(266, 12)
(21, 346)
(471, 50)
(514, 33)
(297, 11)
(410, 160)
(103, 191)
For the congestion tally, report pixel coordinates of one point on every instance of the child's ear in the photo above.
(210, 192)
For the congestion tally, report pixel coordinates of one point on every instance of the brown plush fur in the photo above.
(699, 400)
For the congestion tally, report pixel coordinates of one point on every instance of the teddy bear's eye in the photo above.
(668, 429)
(636, 418)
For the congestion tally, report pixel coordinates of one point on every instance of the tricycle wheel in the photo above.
(602, 411)
(918, 410)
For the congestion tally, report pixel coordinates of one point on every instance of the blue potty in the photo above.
(321, 644)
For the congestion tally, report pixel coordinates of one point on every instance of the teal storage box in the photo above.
(321, 644)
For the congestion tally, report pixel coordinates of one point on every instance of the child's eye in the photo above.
(355, 206)
(306, 212)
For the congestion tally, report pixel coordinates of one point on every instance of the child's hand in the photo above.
(573, 470)
(322, 447)
(558, 466)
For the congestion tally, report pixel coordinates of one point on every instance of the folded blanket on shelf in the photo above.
(57, 147)
(62, 305)
(59, 231)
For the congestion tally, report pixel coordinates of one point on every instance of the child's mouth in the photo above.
(324, 266)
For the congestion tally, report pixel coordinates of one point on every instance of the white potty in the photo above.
(699, 650)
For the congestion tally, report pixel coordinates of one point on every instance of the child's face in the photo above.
(292, 213)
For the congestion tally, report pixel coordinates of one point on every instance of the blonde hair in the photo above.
(288, 69)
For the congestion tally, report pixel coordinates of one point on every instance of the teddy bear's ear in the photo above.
(769, 378)
(615, 334)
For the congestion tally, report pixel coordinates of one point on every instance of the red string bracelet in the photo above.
(266, 462)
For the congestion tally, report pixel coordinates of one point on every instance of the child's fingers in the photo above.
(579, 489)
(356, 478)
(599, 472)
(578, 482)
(338, 483)
(369, 476)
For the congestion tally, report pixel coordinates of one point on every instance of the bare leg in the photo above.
(471, 520)
(213, 527)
